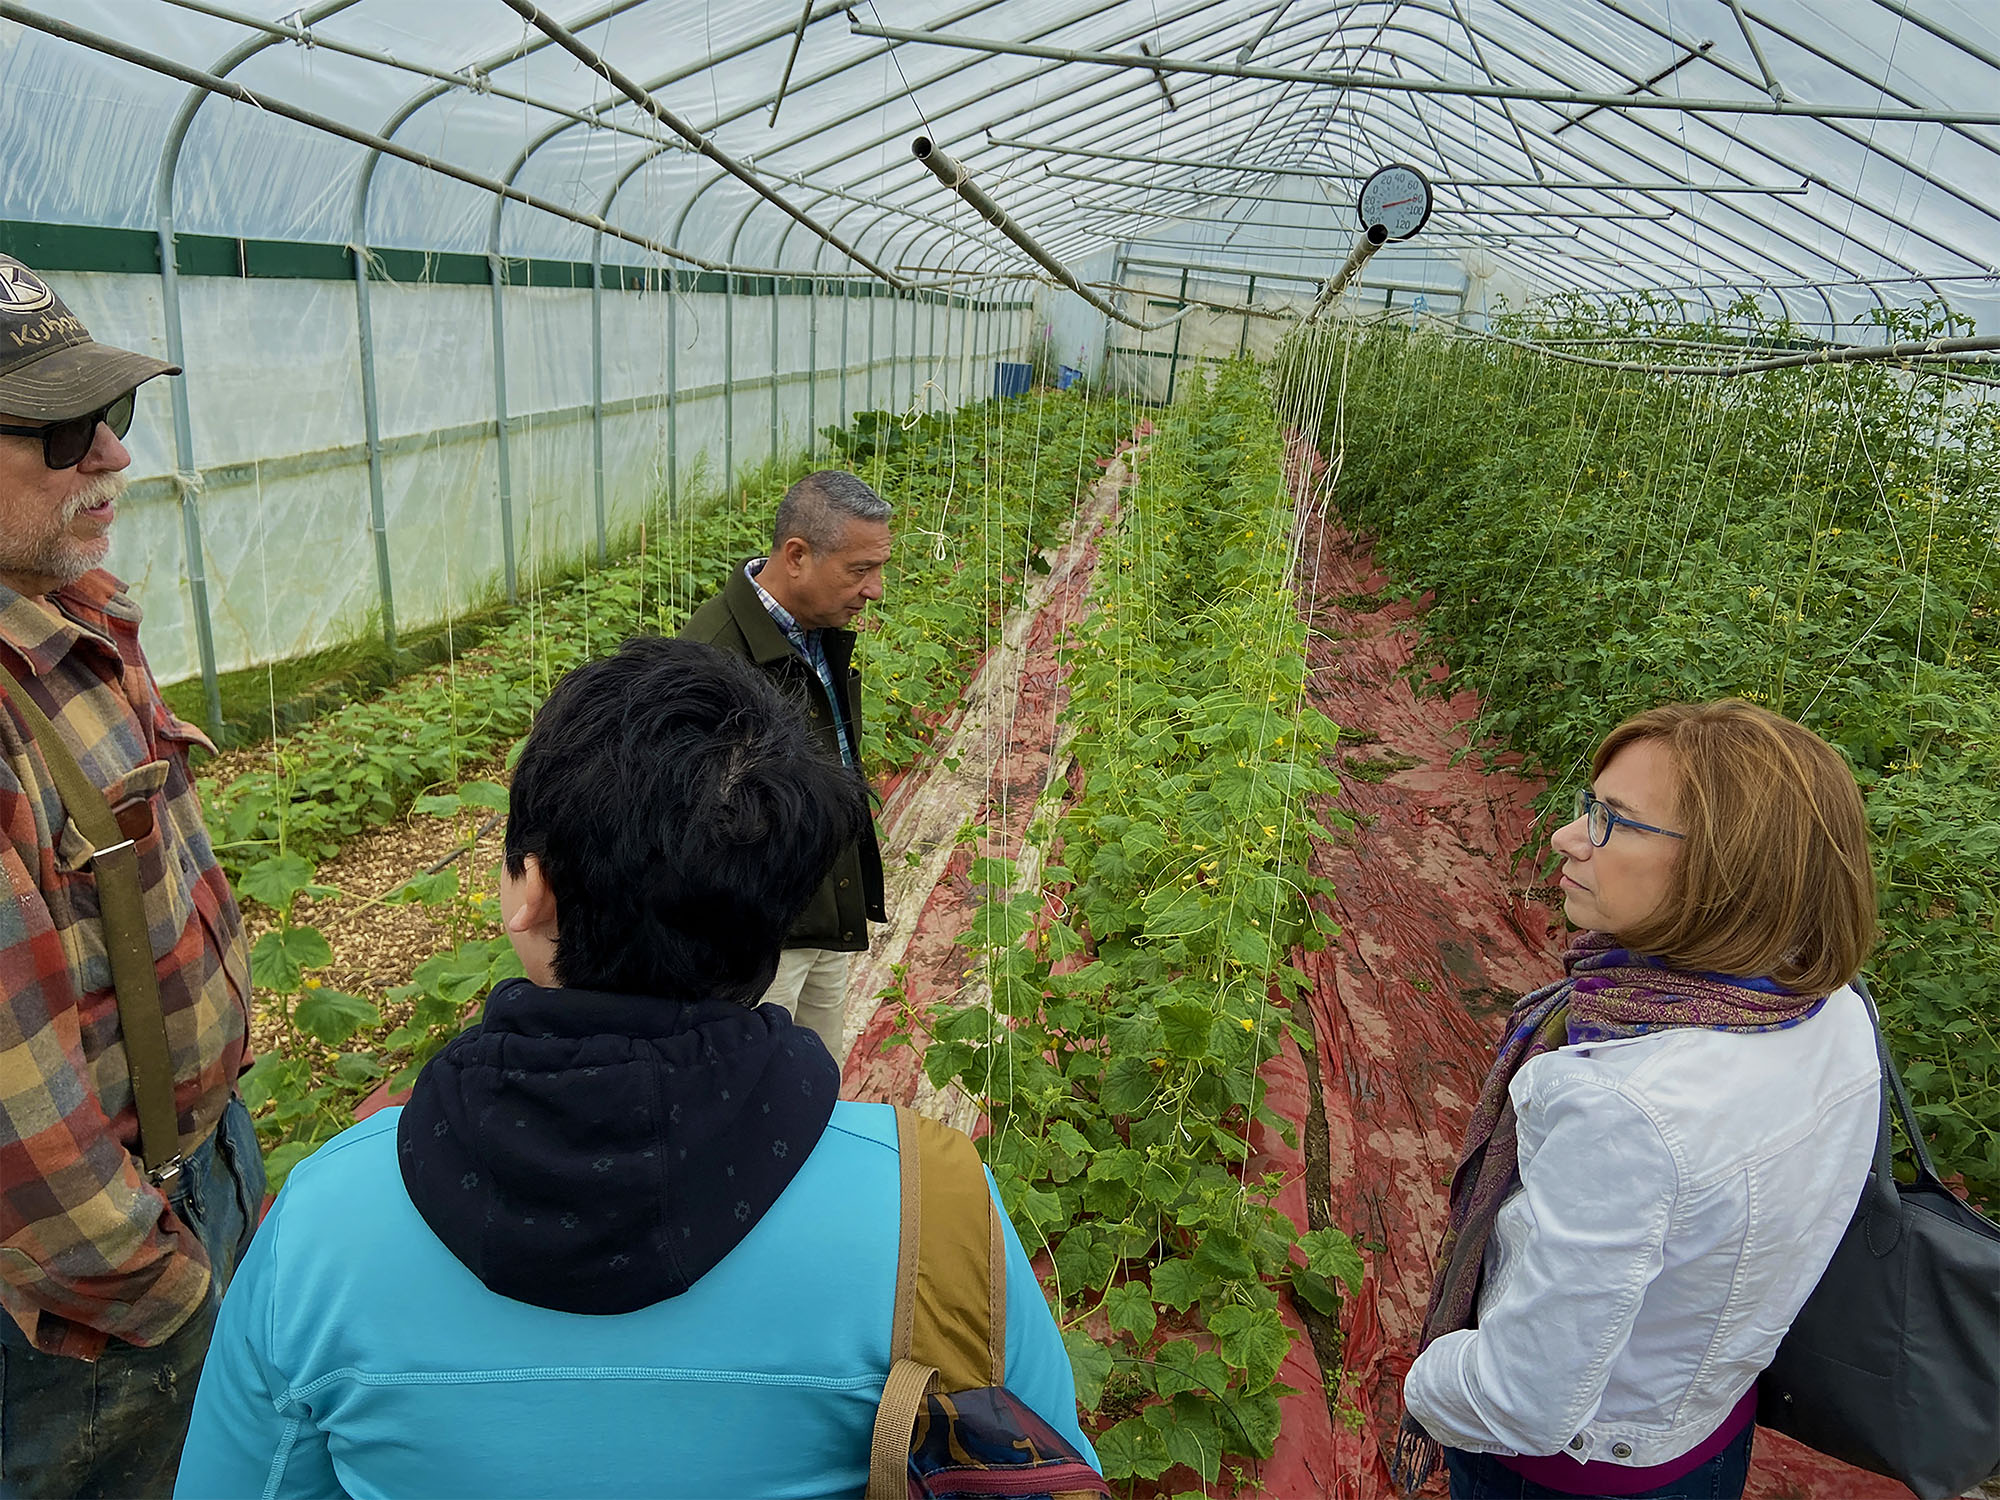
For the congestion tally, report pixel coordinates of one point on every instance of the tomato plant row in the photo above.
(1820, 540)
(1118, 1056)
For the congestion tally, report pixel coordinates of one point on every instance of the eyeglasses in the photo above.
(1599, 820)
(65, 443)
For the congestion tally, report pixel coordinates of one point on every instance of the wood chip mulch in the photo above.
(378, 945)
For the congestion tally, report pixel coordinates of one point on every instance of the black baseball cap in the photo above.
(51, 369)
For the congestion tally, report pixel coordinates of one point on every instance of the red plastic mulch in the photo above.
(1022, 760)
(1439, 932)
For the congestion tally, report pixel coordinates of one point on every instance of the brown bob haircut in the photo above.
(1773, 879)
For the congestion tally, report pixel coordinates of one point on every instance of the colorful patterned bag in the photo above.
(947, 1427)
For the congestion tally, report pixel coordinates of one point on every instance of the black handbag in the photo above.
(1893, 1364)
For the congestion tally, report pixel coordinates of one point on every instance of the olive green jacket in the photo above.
(736, 621)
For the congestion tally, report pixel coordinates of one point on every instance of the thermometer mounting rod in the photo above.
(1376, 237)
(950, 171)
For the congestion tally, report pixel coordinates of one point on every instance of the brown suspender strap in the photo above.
(121, 906)
(949, 1328)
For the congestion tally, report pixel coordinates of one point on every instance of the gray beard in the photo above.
(59, 555)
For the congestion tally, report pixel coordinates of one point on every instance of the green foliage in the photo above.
(1822, 541)
(979, 494)
(1118, 1056)
(366, 763)
(976, 491)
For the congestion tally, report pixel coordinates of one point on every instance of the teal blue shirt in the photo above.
(354, 1356)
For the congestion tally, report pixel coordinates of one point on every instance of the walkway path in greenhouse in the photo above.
(1000, 759)
(1439, 931)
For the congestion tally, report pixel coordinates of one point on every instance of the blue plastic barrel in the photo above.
(1010, 379)
(1066, 377)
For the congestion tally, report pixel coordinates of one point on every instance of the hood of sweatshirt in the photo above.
(599, 1153)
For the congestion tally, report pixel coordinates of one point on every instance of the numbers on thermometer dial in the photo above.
(1398, 198)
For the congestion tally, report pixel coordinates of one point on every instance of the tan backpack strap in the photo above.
(128, 943)
(949, 1327)
(959, 1316)
(895, 1420)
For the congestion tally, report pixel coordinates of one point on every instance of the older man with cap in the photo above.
(130, 1177)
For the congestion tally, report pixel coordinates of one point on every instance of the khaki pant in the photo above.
(812, 987)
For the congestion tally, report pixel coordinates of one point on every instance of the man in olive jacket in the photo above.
(788, 613)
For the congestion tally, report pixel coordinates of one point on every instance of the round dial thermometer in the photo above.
(1398, 198)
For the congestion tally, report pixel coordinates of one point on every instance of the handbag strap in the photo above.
(1885, 1224)
(121, 905)
(949, 1327)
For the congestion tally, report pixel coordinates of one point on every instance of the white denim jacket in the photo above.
(1681, 1194)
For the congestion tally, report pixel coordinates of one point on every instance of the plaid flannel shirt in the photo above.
(89, 1249)
(808, 644)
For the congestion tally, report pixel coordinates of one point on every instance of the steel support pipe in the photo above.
(187, 477)
(1389, 84)
(1365, 247)
(702, 145)
(951, 172)
(1443, 210)
(1911, 351)
(497, 272)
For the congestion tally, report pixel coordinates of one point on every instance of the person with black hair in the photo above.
(791, 615)
(623, 1239)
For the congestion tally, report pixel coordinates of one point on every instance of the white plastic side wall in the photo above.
(274, 386)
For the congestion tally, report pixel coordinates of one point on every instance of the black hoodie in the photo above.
(599, 1153)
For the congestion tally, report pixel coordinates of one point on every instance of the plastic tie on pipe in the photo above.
(481, 82)
(190, 482)
(302, 35)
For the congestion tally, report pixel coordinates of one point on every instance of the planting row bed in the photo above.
(1825, 541)
(979, 494)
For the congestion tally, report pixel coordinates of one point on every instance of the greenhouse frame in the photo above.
(1295, 460)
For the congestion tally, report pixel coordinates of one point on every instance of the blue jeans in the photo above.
(114, 1426)
(1480, 1476)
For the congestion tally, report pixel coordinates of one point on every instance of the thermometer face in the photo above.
(1398, 198)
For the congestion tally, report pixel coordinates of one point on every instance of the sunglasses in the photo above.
(65, 443)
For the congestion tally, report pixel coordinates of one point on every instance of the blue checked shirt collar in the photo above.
(808, 645)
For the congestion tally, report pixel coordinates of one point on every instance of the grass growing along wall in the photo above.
(1822, 541)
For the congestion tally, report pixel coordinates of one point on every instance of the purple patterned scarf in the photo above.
(1606, 993)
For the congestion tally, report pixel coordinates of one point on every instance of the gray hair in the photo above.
(818, 508)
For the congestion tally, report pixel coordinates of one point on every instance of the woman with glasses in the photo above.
(1674, 1134)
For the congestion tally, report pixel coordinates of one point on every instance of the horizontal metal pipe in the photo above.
(951, 172)
(216, 84)
(1845, 354)
(1233, 309)
(1333, 174)
(1385, 83)
(1446, 210)
(583, 53)
(1377, 283)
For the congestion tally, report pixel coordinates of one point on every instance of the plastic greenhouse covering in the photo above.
(427, 390)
